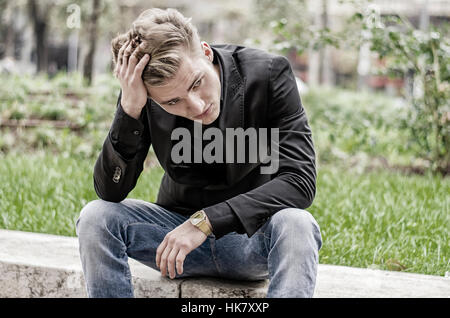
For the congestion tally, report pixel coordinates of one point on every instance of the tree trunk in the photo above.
(40, 34)
(89, 60)
(325, 68)
(10, 39)
(314, 56)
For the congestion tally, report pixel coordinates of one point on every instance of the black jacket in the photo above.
(258, 90)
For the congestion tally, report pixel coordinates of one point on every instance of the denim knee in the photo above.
(296, 223)
(98, 216)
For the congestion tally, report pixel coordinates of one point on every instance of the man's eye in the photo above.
(172, 102)
(197, 84)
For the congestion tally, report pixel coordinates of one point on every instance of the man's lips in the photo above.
(204, 113)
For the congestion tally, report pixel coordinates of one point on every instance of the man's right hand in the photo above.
(129, 72)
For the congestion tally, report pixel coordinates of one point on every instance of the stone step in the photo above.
(44, 265)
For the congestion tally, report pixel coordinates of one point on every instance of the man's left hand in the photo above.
(176, 245)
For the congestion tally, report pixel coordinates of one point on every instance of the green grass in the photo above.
(44, 193)
(384, 220)
(375, 219)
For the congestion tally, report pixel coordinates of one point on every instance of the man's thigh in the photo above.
(241, 257)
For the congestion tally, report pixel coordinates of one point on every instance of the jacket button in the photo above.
(136, 132)
(117, 174)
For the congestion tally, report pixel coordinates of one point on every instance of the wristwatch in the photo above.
(198, 219)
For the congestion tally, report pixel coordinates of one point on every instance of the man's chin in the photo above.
(205, 121)
(210, 119)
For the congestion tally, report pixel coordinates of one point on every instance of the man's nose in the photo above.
(196, 104)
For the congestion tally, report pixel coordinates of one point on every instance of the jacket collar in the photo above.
(232, 103)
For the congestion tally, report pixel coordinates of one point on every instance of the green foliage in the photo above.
(356, 126)
(62, 98)
(293, 27)
(425, 55)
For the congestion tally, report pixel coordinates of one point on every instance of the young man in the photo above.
(221, 217)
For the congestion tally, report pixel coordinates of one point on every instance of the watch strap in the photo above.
(205, 228)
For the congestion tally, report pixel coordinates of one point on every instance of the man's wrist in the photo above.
(200, 220)
(135, 113)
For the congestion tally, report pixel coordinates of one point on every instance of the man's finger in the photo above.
(159, 251)
(126, 53)
(141, 65)
(163, 262)
(129, 49)
(171, 262)
(180, 261)
(119, 59)
(132, 61)
(120, 54)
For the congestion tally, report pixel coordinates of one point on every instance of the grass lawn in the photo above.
(378, 219)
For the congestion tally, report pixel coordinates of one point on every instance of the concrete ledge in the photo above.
(43, 265)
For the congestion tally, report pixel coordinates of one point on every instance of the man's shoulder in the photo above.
(246, 53)
(249, 59)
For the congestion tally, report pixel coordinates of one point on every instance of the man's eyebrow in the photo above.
(190, 87)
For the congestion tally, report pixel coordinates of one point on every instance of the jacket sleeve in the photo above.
(294, 184)
(121, 159)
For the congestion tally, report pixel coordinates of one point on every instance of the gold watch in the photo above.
(198, 219)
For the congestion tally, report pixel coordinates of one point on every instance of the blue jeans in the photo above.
(285, 249)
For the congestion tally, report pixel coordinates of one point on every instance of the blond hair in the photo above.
(166, 34)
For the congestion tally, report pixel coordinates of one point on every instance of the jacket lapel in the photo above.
(232, 112)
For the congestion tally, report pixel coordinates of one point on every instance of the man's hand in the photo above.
(176, 245)
(129, 73)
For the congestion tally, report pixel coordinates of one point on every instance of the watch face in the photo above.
(196, 218)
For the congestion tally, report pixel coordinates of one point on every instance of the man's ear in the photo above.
(207, 50)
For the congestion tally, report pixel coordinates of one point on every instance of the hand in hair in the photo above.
(129, 72)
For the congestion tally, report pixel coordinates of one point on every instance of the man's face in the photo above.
(194, 92)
